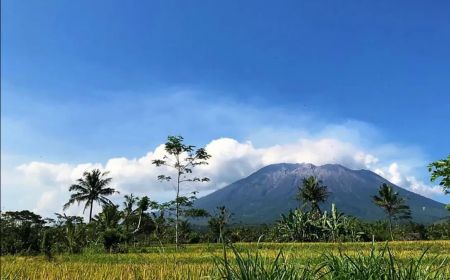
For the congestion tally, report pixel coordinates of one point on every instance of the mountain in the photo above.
(270, 191)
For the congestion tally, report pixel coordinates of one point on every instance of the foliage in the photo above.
(20, 232)
(306, 226)
(71, 234)
(93, 187)
(381, 264)
(217, 223)
(441, 170)
(377, 264)
(250, 266)
(439, 231)
(313, 192)
(128, 211)
(391, 202)
(46, 243)
(143, 205)
(111, 239)
(298, 225)
(182, 158)
(109, 217)
(251, 233)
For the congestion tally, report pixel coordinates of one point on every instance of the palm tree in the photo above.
(109, 217)
(91, 187)
(130, 201)
(314, 192)
(142, 205)
(392, 203)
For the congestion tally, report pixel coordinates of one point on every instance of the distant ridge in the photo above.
(270, 191)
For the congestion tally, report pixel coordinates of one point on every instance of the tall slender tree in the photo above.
(92, 187)
(313, 192)
(182, 159)
(392, 203)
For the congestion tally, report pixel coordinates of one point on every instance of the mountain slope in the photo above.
(270, 191)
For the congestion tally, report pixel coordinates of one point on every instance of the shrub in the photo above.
(111, 239)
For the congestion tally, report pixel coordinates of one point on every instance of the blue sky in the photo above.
(87, 81)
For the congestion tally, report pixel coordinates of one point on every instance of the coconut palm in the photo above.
(392, 203)
(143, 205)
(109, 217)
(92, 187)
(130, 201)
(313, 192)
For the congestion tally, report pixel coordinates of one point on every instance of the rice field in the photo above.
(200, 261)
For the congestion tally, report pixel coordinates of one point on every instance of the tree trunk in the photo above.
(390, 227)
(90, 212)
(139, 222)
(177, 206)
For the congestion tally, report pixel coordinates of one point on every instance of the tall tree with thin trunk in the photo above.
(392, 203)
(313, 192)
(182, 159)
(92, 187)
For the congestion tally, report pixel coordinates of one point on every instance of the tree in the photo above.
(392, 204)
(218, 222)
(298, 225)
(109, 218)
(72, 232)
(20, 232)
(46, 243)
(313, 192)
(441, 170)
(182, 159)
(93, 187)
(143, 205)
(130, 201)
(334, 223)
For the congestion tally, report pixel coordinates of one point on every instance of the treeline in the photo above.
(114, 230)
(140, 222)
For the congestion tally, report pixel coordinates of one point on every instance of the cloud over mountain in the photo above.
(231, 160)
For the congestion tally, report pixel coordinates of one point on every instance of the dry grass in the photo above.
(194, 261)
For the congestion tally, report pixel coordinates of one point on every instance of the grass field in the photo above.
(197, 261)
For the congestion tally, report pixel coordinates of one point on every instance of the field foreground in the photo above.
(198, 261)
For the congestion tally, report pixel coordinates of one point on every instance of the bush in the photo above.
(111, 240)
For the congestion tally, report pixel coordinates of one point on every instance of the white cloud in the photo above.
(398, 174)
(395, 176)
(46, 202)
(420, 187)
(231, 160)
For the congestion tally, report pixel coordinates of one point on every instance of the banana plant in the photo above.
(333, 223)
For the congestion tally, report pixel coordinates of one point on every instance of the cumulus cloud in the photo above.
(398, 174)
(231, 160)
(420, 187)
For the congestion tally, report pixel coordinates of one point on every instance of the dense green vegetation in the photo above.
(440, 171)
